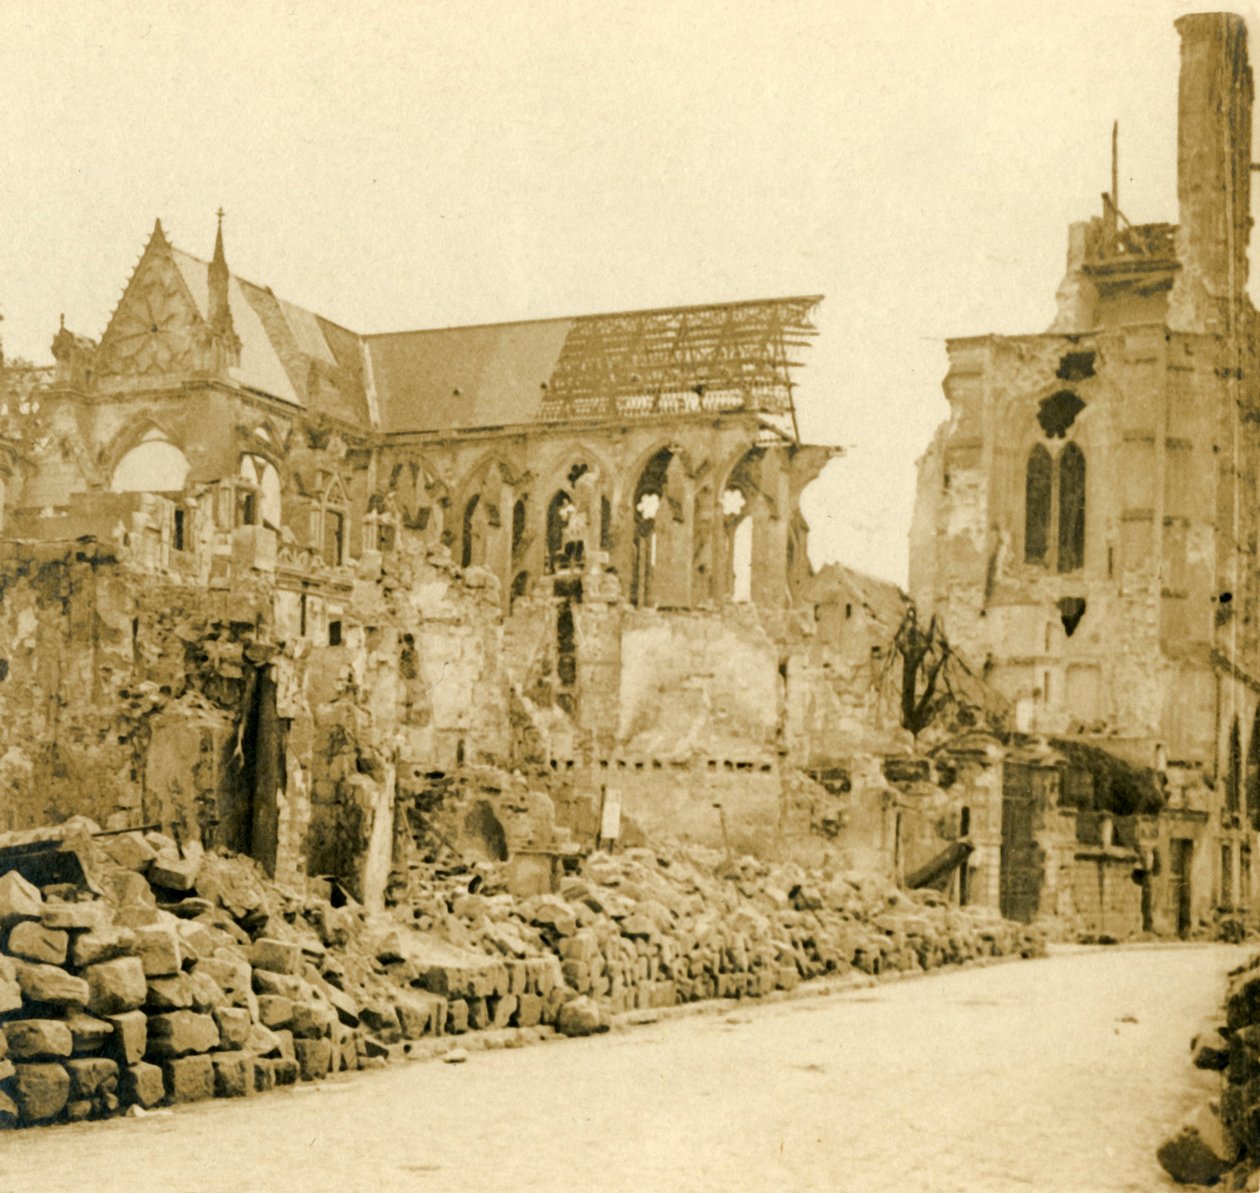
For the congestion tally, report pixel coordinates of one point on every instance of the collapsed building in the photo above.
(279, 587)
(1087, 523)
(271, 585)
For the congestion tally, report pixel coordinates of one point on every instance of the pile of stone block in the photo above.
(641, 929)
(170, 975)
(178, 979)
(1219, 1144)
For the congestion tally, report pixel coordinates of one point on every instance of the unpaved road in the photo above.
(1062, 1074)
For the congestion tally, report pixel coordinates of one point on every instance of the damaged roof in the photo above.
(679, 360)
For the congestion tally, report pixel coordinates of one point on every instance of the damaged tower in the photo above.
(1087, 519)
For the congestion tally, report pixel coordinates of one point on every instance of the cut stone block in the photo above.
(130, 851)
(274, 1010)
(276, 956)
(116, 986)
(19, 899)
(142, 1084)
(48, 983)
(77, 917)
(314, 1057)
(102, 944)
(157, 946)
(41, 1091)
(179, 1032)
(89, 1033)
(234, 1027)
(92, 1077)
(189, 1079)
(175, 873)
(131, 1036)
(233, 1074)
(31, 941)
(32, 1039)
(169, 994)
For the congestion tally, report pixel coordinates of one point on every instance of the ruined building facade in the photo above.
(1087, 519)
(266, 582)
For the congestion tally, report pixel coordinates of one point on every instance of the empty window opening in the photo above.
(1071, 610)
(178, 536)
(518, 527)
(1037, 497)
(1233, 770)
(566, 646)
(473, 546)
(1076, 366)
(334, 633)
(605, 524)
(334, 538)
(261, 474)
(577, 472)
(520, 586)
(1058, 412)
(649, 498)
(741, 560)
(566, 534)
(1071, 509)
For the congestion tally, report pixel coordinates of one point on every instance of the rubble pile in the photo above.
(643, 929)
(169, 974)
(1219, 1144)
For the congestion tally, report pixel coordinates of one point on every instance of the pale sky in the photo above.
(402, 165)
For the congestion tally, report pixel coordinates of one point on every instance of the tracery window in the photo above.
(1054, 508)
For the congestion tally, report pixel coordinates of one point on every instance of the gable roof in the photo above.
(700, 359)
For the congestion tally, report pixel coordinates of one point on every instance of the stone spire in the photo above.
(219, 314)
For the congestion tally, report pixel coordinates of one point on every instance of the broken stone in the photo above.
(234, 1028)
(205, 992)
(10, 990)
(157, 946)
(274, 1010)
(1199, 1154)
(76, 917)
(89, 1033)
(179, 1032)
(19, 899)
(311, 1020)
(8, 1111)
(580, 1017)
(276, 956)
(142, 1084)
(286, 985)
(528, 1010)
(102, 944)
(169, 994)
(314, 1058)
(116, 986)
(35, 1039)
(189, 1079)
(130, 851)
(1211, 1051)
(131, 1036)
(233, 1074)
(31, 941)
(175, 873)
(48, 983)
(41, 1091)
(91, 1077)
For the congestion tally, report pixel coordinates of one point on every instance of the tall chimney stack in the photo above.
(1213, 166)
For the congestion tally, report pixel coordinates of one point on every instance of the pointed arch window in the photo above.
(1054, 508)
(1038, 490)
(1233, 775)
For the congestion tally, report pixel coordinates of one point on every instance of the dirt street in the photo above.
(1061, 1074)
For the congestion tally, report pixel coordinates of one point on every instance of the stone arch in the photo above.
(153, 465)
(261, 472)
(663, 519)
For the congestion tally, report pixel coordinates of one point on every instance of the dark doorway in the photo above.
(1020, 873)
(1179, 882)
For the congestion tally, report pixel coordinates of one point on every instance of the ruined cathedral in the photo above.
(269, 583)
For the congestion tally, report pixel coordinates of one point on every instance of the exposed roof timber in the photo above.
(695, 359)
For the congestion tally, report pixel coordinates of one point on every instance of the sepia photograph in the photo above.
(629, 596)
